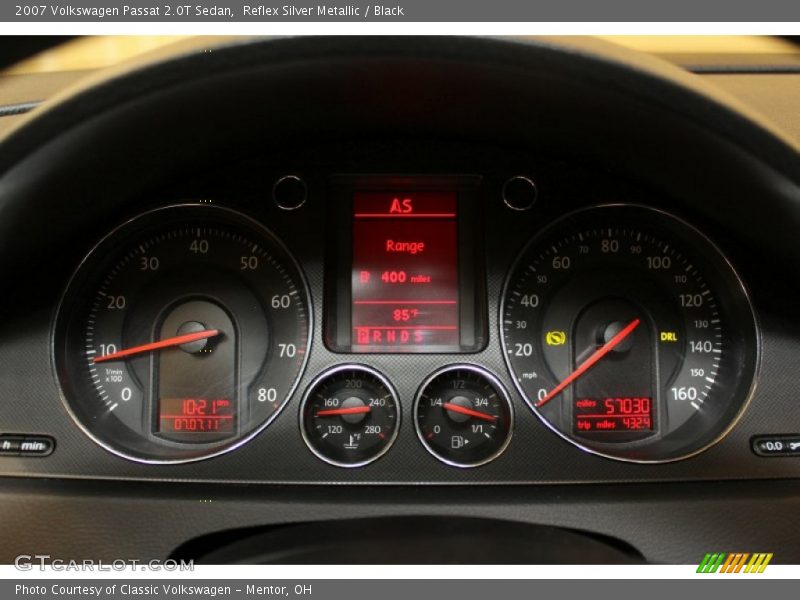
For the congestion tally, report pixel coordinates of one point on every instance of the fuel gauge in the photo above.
(350, 416)
(463, 416)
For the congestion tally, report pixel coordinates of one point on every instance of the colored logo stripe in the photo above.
(734, 562)
(711, 563)
(758, 563)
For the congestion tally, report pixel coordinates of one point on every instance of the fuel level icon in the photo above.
(463, 416)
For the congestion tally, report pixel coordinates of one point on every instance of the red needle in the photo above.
(353, 410)
(589, 362)
(166, 343)
(468, 411)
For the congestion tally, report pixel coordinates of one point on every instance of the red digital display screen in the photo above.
(405, 288)
(613, 414)
(196, 415)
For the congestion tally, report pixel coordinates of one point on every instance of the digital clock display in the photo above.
(196, 415)
(405, 271)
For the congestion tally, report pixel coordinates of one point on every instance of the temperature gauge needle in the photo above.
(165, 343)
(468, 411)
(590, 362)
(353, 410)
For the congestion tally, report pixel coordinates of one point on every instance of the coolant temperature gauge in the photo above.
(463, 416)
(350, 416)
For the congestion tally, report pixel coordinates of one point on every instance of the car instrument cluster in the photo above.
(187, 330)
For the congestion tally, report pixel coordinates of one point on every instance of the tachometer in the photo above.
(629, 334)
(182, 334)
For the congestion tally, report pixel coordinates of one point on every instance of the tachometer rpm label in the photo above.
(182, 334)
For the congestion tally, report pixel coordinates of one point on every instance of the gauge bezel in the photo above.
(502, 394)
(741, 289)
(335, 371)
(136, 225)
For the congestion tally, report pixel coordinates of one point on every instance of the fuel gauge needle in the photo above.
(590, 362)
(165, 343)
(468, 411)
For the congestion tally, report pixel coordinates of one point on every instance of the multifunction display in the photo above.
(405, 270)
(405, 275)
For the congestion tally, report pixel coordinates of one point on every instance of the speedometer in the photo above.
(629, 334)
(182, 334)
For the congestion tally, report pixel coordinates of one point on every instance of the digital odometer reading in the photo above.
(629, 334)
(405, 289)
(196, 415)
(613, 414)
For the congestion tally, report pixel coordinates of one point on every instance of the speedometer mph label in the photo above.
(629, 334)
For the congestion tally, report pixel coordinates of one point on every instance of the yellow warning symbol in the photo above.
(555, 338)
(669, 336)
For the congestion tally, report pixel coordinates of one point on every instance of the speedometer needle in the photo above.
(590, 362)
(165, 343)
(468, 411)
(353, 410)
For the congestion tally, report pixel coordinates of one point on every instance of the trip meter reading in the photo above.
(629, 334)
(182, 334)
(613, 414)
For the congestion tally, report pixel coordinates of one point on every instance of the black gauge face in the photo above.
(463, 416)
(629, 334)
(182, 334)
(350, 416)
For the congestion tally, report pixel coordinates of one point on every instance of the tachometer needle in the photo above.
(165, 343)
(468, 411)
(353, 410)
(591, 361)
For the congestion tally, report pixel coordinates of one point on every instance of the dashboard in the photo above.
(537, 279)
